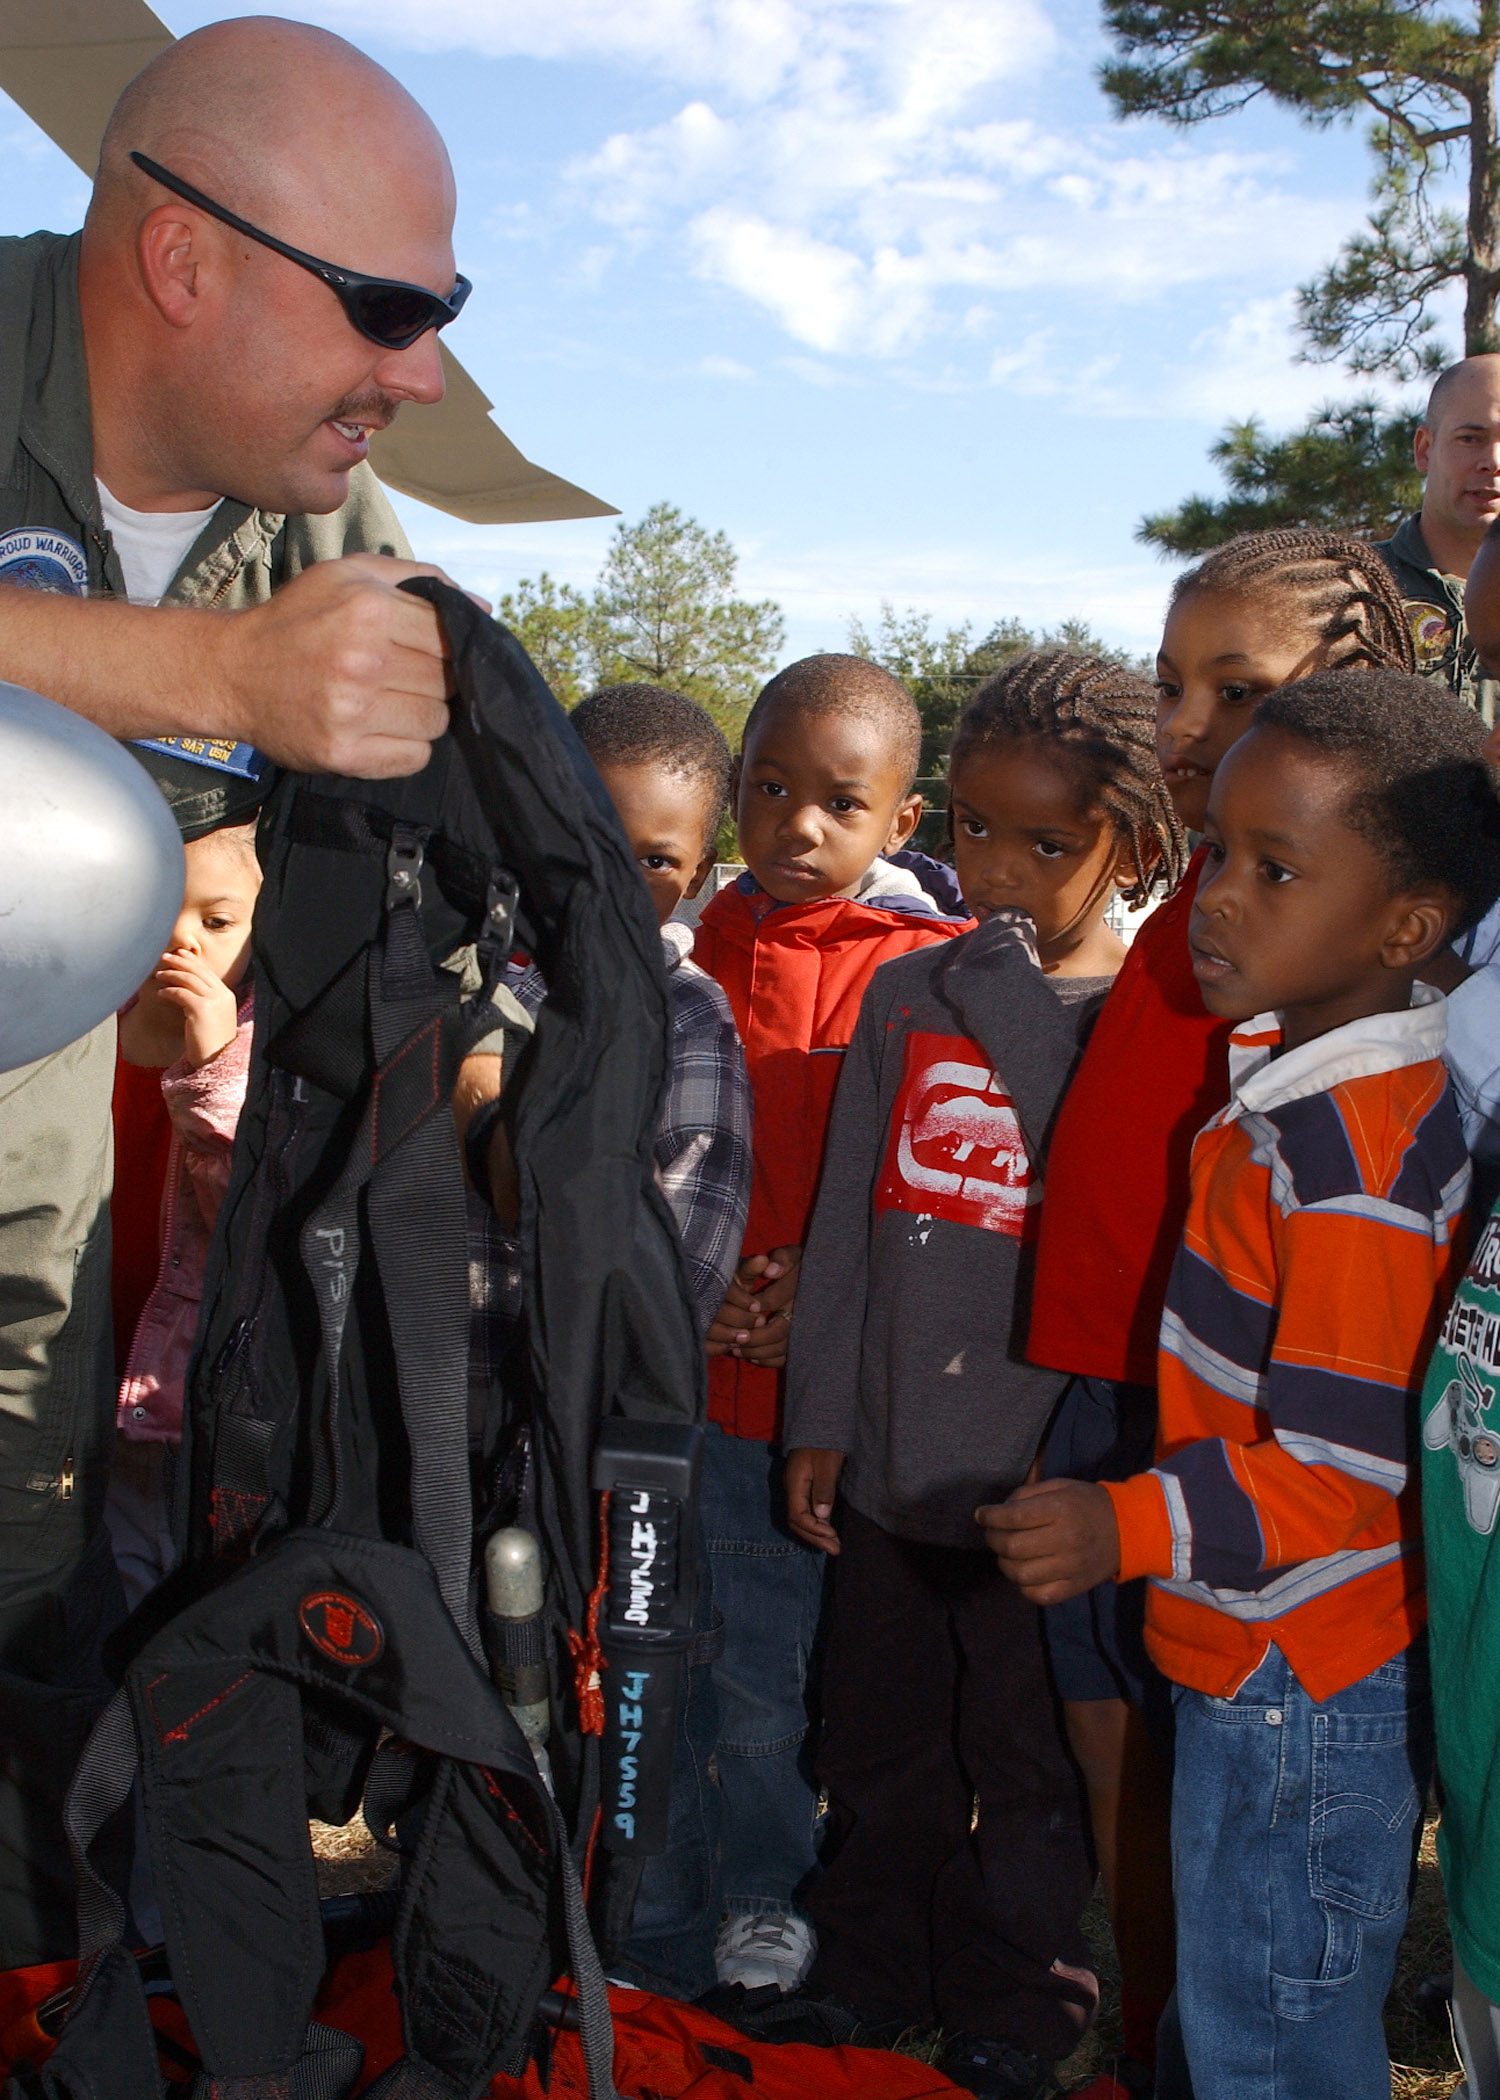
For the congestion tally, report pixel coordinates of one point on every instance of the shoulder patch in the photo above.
(38, 560)
(1431, 632)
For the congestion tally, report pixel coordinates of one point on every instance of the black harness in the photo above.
(322, 1644)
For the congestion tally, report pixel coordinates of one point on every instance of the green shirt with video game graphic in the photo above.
(1461, 1504)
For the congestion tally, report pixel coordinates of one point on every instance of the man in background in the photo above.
(1457, 450)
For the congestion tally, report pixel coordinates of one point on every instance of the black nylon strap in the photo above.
(106, 1773)
(595, 2027)
(107, 2023)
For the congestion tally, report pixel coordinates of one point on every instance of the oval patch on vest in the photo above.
(340, 1628)
(43, 561)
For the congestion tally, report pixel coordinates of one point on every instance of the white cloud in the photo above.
(873, 176)
(747, 49)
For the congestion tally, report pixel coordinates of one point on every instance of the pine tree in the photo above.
(1425, 76)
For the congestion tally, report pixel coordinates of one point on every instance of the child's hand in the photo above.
(752, 1322)
(1054, 1538)
(812, 1478)
(208, 1007)
(478, 1081)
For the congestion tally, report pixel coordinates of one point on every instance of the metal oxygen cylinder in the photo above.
(517, 1599)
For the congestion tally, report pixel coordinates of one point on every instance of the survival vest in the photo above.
(322, 1643)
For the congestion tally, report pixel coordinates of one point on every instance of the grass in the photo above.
(1424, 2066)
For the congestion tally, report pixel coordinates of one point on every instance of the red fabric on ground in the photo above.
(658, 2045)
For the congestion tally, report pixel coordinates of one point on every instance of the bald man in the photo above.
(184, 417)
(1457, 450)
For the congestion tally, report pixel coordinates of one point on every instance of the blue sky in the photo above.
(877, 286)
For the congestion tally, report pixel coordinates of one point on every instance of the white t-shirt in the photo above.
(150, 543)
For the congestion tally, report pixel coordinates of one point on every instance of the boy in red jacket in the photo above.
(823, 788)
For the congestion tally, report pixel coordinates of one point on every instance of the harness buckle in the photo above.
(403, 869)
(500, 910)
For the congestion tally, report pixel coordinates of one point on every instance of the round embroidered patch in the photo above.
(43, 561)
(340, 1628)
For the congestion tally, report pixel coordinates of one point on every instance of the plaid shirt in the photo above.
(702, 1160)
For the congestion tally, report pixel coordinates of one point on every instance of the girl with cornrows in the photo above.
(1257, 613)
(908, 1398)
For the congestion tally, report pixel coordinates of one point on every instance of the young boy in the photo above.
(1350, 833)
(1460, 1502)
(823, 788)
(1461, 1482)
(665, 765)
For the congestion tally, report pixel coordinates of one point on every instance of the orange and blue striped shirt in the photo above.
(1325, 1235)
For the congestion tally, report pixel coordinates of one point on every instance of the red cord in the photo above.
(588, 1656)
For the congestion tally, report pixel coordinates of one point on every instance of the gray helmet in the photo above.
(91, 876)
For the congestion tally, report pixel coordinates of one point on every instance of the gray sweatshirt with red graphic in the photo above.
(907, 1334)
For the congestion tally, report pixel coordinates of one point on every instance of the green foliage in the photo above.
(1425, 73)
(942, 667)
(1349, 469)
(551, 622)
(665, 612)
(662, 613)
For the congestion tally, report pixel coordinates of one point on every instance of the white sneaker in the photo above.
(764, 1947)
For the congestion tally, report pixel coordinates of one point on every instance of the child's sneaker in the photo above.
(995, 2070)
(764, 1947)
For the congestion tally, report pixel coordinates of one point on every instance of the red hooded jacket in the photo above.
(794, 975)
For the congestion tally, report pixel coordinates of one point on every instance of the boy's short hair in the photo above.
(831, 684)
(1427, 802)
(649, 725)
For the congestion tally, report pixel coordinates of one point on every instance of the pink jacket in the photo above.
(205, 1107)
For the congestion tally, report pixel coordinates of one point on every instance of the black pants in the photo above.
(935, 1699)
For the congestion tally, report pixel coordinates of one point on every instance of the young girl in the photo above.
(906, 1392)
(179, 1087)
(1259, 612)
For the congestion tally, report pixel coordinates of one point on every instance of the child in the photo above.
(1460, 1500)
(823, 787)
(1349, 834)
(666, 767)
(184, 1058)
(906, 1377)
(1259, 611)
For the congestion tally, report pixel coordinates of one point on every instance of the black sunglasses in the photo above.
(385, 309)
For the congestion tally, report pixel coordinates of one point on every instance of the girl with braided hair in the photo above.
(1258, 612)
(908, 1399)
(1266, 608)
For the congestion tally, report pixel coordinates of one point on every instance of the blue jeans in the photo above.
(744, 1805)
(1294, 1831)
